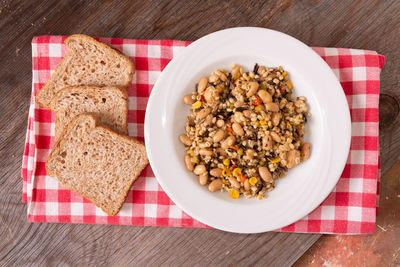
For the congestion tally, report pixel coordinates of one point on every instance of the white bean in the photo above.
(215, 185)
(203, 179)
(253, 87)
(234, 182)
(265, 96)
(267, 142)
(189, 163)
(199, 169)
(220, 123)
(205, 152)
(202, 85)
(275, 137)
(293, 158)
(238, 117)
(265, 174)
(216, 172)
(187, 99)
(246, 185)
(213, 78)
(203, 113)
(276, 118)
(229, 141)
(305, 151)
(271, 106)
(219, 135)
(211, 95)
(185, 140)
(238, 104)
(237, 129)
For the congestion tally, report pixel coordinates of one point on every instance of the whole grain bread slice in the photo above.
(96, 162)
(110, 104)
(87, 62)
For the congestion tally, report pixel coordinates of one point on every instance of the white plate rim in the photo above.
(153, 109)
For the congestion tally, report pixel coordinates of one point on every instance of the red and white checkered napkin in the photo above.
(349, 209)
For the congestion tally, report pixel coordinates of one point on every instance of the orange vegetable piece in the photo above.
(257, 101)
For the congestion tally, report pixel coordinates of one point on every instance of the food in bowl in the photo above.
(245, 130)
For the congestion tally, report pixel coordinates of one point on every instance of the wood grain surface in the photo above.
(369, 24)
(379, 249)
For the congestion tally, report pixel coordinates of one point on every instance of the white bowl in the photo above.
(328, 130)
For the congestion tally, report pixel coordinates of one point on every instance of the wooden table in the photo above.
(373, 25)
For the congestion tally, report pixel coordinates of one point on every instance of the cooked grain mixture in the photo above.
(245, 130)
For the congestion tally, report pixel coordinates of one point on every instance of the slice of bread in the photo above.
(88, 62)
(96, 162)
(110, 104)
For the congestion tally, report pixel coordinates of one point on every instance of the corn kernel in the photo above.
(223, 180)
(261, 163)
(284, 74)
(190, 151)
(276, 160)
(256, 123)
(237, 171)
(234, 194)
(227, 162)
(289, 85)
(195, 159)
(288, 124)
(240, 151)
(253, 180)
(196, 104)
(226, 172)
(263, 122)
(257, 108)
